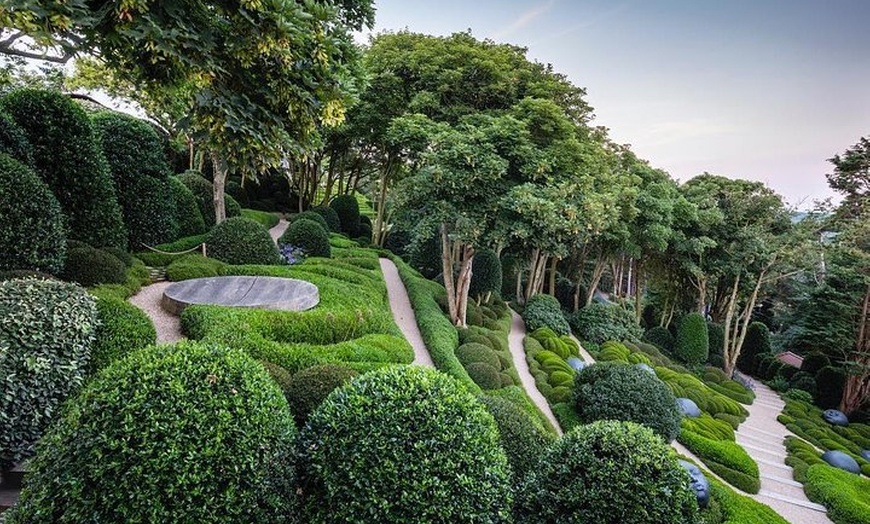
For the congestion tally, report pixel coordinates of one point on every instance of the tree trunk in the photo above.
(857, 387)
(464, 285)
(727, 365)
(552, 288)
(533, 271)
(447, 271)
(220, 178)
(597, 273)
(378, 234)
(638, 292)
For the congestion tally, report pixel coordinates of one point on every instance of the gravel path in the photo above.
(518, 352)
(279, 229)
(148, 300)
(403, 313)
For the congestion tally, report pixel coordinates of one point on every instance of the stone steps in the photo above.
(794, 501)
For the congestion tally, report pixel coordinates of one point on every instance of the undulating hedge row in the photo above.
(725, 458)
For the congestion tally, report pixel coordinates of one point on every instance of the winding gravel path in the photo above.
(279, 230)
(403, 313)
(148, 299)
(518, 352)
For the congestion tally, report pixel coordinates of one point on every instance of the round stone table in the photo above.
(242, 291)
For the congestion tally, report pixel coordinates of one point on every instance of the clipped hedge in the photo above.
(13, 141)
(89, 266)
(486, 273)
(735, 508)
(333, 223)
(307, 388)
(607, 472)
(312, 216)
(693, 342)
(403, 444)
(181, 403)
(757, 342)
(598, 323)
(123, 328)
(241, 240)
(347, 209)
(725, 458)
(660, 337)
(484, 375)
(522, 439)
(847, 496)
(32, 226)
(203, 192)
(47, 330)
(264, 218)
(308, 235)
(544, 311)
(66, 154)
(186, 210)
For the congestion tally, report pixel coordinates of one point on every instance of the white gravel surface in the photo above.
(148, 300)
(403, 313)
(518, 352)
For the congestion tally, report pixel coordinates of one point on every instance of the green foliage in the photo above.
(308, 388)
(13, 141)
(123, 328)
(607, 472)
(486, 273)
(423, 450)
(32, 231)
(333, 223)
(660, 337)
(608, 391)
(724, 457)
(599, 323)
(46, 333)
(846, 495)
(814, 362)
(186, 211)
(280, 376)
(716, 335)
(138, 166)
(203, 192)
(757, 342)
(805, 420)
(544, 311)
(121, 255)
(484, 375)
(829, 386)
(693, 344)
(239, 241)
(187, 267)
(89, 266)
(264, 218)
(347, 209)
(308, 235)
(312, 216)
(739, 509)
(181, 402)
(182, 245)
(472, 352)
(66, 154)
(137, 276)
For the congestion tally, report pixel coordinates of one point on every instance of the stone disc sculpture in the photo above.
(838, 459)
(837, 418)
(699, 483)
(688, 407)
(866, 455)
(242, 291)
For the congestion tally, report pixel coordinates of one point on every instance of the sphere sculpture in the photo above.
(646, 367)
(835, 417)
(866, 455)
(688, 407)
(841, 460)
(576, 364)
(699, 483)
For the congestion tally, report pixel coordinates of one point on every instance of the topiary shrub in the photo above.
(279, 375)
(89, 266)
(403, 444)
(486, 273)
(544, 311)
(333, 223)
(203, 192)
(716, 336)
(312, 216)
(814, 362)
(308, 235)
(186, 211)
(611, 391)
(138, 166)
(66, 154)
(472, 352)
(757, 342)
(13, 141)
(123, 328)
(660, 337)
(347, 209)
(46, 332)
(693, 342)
(240, 241)
(598, 323)
(607, 472)
(307, 388)
(202, 421)
(523, 440)
(830, 381)
(32, 232)
(364, 234)
(120, 254)
(484, 375)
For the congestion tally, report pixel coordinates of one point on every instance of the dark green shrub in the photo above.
(484, 375)
(123, 328)
(347, 209)
(472, 352)
(814, 362)
(32, 232)
(599, 323)
(186, 211)
(485, 273)
(308, 235)
(716, 336)
(192, 266)
(24, 273)
(240, 241)
(803, 381)
(203, 192)
(13, 141)
(46, 332)
(364, 234)
(608, 391)
(660, 337)
(309, 387)
(121, 255)
(757, 342)
(138, 166)
(279, 375)
(830, 381)
(523, 440)
(66, 154)
(365, 220)
(333, 223)
(184, 433)
(693, 343)
(404, 444)
(310, 215)
(89, 266)
(264, 218)
(544, 311)
(607, 472)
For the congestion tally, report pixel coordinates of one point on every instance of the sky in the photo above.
(758, 89)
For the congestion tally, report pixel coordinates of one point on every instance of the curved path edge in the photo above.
(403, 313)
(518, 352)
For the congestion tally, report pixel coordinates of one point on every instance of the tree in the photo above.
(851, 177)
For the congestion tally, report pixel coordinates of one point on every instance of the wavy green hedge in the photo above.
(734, 508)
(725, 458)
(847, 496)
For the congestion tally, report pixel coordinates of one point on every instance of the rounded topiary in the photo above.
(814, 362)
(333, 223)
(693, 342)
(472, 352)
(90, 266)
(484, 375)
(347, 209)
(598, 323)
(544, 311)
(716, 336)
(46, 331)
(403, 444)
(310, 236)
(611, 391)
(203, 192)
(67, 156)
(486, 273)
(140, 171)
(123, 328)
(184, 433)
(660, 337)
(307, 388)
(607, 472)
(186, 210)
(32, 232)
(310, 215)
(13, 141)
(121, 255)
(523, 440)
(240, 240)
(279, 375)
(364, 232)
(757, 342)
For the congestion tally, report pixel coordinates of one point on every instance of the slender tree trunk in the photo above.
(464, 284)
(220, 178)
(577, 295)
(638, 292)
(727, 343)
(552, 288)
(191, 152)
(447, 270)
(857, 388)
(382, 203)
(533, 271)
(597, 273)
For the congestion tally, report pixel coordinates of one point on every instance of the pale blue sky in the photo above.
(764, 89)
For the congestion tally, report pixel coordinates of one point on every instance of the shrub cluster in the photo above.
(239, 241)
(333, 223)
(403, 444)
(599, 323)
(191, 266)
(546, 353)
(312, 216)
(307, 388)
(756, 343)
(186, 210)
(309, 235)
(607, 472)
(32, 232)
(486, 273)
(716, 336)
(847, 496)
(158, 422)
(89, 266)
(544, 311)
(723, 456)
(66, 154)
(347, 209)
(123, 328)
(46, 332)
(660, 337)
(203, 192)
(13, 141)
(693, 342)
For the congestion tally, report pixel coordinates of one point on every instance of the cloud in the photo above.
(584, 23)
(670, 132)
(524, 19)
